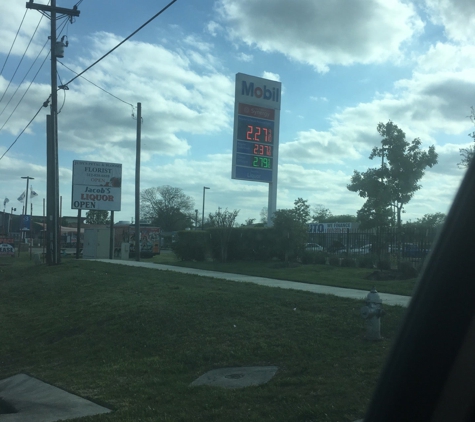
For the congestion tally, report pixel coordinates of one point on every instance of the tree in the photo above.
(391, 186)
(224, 222)
(320, 214)
(468, 153)
(429, 221)
(290, 228)
(301, 210)
(263, 215)
(167, 207)
(341, 218)
(97, 217)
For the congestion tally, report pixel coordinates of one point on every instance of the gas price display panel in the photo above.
(254, 143)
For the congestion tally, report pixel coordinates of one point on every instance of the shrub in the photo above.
(365, 261)
(334, 261)
(384, 264)
(191, 245)
(307, 257)
(407, 269)
(320, 258)
(251, 243)
(313, 257)
(348, 262)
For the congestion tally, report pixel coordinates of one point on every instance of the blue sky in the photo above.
(344, 67)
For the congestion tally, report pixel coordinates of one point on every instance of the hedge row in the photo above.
(245, 243)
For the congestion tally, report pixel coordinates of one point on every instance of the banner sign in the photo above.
(96, 186)
(329, 227)
(7, 246)
(25, 222)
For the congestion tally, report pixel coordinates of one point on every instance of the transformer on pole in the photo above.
(52, 176)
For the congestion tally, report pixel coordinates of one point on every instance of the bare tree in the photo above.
(167, 207)
(224, 221)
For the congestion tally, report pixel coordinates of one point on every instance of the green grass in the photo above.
(328, 275)
(133, 339)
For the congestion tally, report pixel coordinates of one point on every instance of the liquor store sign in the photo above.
(96, 186)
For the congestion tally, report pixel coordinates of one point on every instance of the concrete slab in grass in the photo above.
(37, 401)
(238, 377)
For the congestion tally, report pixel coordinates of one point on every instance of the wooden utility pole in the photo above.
(52, 175)
(137, 182)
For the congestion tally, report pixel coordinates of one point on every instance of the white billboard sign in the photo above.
(96, 186)
(329, 227)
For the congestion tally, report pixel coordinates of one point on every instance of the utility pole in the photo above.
(52, 175)
(137, 182)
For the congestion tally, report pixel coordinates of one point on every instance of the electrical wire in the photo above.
(23, 96)
(64, 93)
(122, 42)
(26, 127)
(85, 70)
(22, 57)
(24, 77)
(13, 43)
(64, 25)
(97, 86)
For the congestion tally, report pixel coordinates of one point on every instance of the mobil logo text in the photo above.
(250, 89)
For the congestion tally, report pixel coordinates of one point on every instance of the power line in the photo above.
(22, 57)
(13, 43)
(97, 86)
(85, 70)
(23, 96)
(26, 127)
(122, 42)
(24, 77)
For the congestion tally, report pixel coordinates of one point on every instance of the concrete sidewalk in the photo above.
(388, 299)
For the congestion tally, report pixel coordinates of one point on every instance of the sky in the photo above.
(344, 67)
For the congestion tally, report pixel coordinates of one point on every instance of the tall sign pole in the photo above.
(256, 134)
(52, 175)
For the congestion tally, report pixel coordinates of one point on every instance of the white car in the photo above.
(362, 250)
(313, 247)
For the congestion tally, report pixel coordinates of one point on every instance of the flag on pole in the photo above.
(5, 202)
(21, 198)
(32, 193)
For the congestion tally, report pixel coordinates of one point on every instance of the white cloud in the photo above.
(456, 16)
(326, 32)
(243, 57)
(33, 21)
(177, 100)
(271, 76)
(214, 28)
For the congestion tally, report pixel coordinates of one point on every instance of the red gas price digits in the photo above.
(260, 149)
(258, 133)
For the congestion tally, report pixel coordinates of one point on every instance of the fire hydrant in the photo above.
(372, 313)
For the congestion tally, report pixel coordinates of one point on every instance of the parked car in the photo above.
(313, 247)
(362, 250)
(337, 247)
(408, 250)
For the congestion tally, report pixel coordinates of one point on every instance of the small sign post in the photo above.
(96, 186)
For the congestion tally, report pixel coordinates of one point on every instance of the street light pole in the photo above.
(203, 215)
(196, 219)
